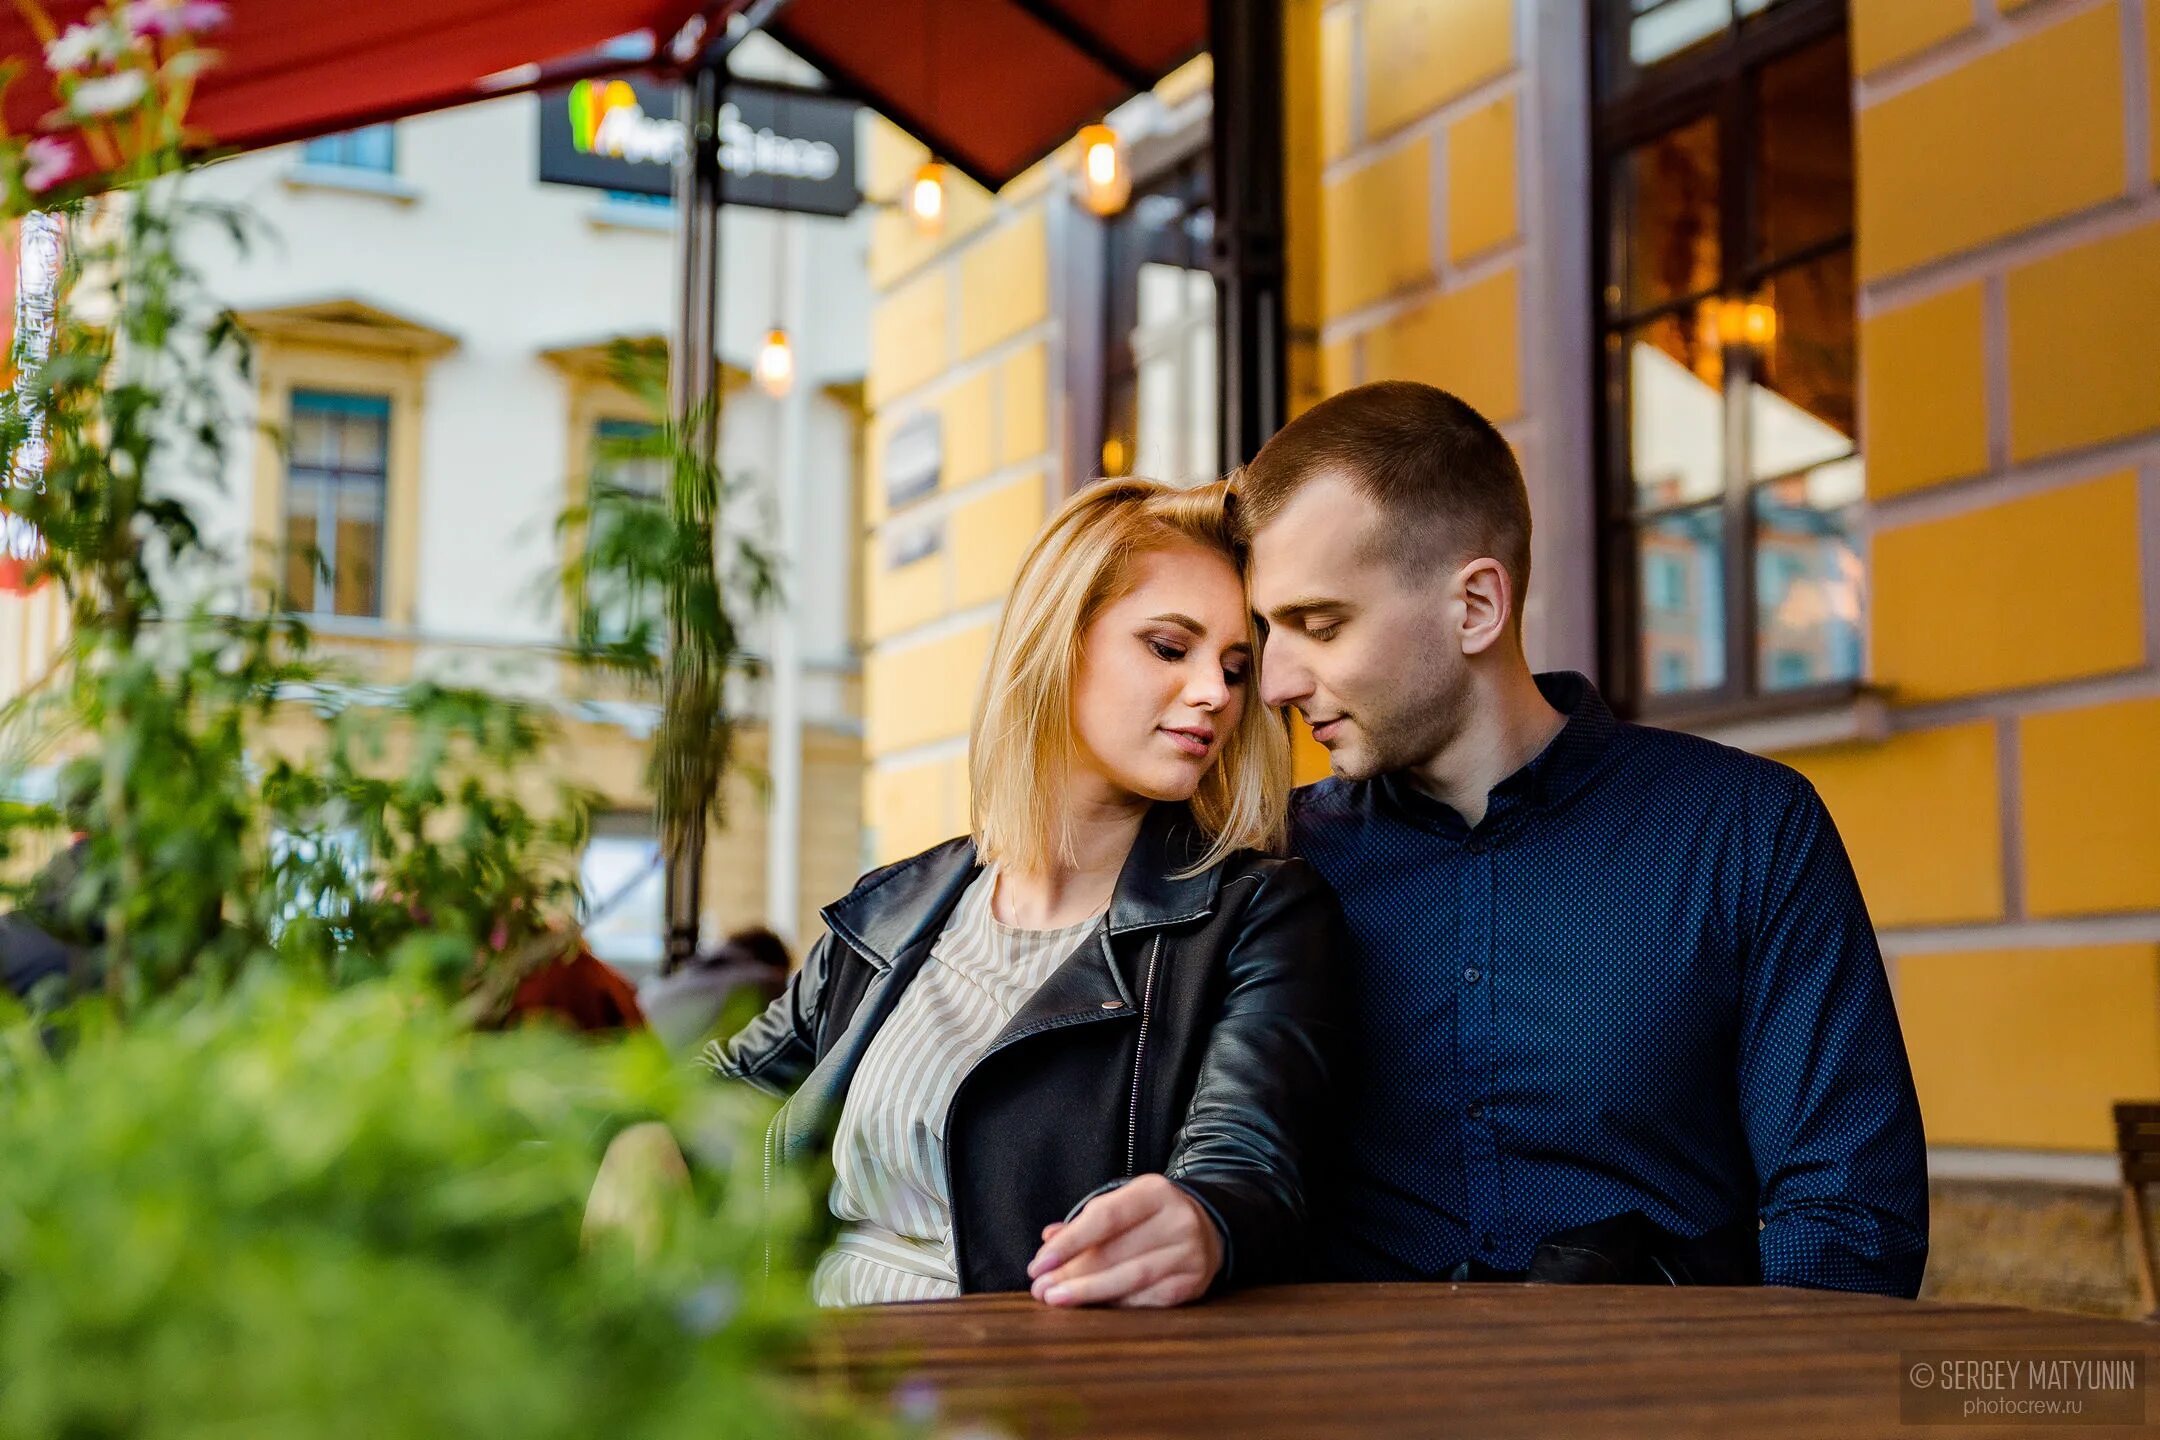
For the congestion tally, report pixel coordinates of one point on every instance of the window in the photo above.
(1159, 401)
(373, 148)
(336, 495)
(1732, 474)
(622, 884)
(625, 458)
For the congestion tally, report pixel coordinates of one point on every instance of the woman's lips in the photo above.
(1189, 741)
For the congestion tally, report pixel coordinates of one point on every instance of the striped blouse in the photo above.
(889, 1183)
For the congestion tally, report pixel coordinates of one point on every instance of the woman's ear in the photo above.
(1488, 604)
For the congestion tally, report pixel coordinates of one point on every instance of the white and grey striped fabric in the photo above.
(889, 1190)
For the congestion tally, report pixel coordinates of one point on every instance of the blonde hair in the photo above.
(1022, 745)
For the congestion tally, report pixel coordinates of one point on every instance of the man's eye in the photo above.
(1324, 632)
(1233, 677)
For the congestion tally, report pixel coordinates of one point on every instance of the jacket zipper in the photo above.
(1132, 1114)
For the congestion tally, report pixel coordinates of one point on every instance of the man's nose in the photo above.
(1282, 680)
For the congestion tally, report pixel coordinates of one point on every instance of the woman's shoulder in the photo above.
(1270, 872)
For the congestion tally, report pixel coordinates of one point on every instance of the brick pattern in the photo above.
(2009, 247)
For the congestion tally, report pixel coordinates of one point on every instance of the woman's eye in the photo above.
(1166, 652)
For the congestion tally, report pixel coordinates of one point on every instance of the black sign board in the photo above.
(780, 149)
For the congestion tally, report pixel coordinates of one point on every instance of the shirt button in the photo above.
(1470, 975)
(1473, 1110)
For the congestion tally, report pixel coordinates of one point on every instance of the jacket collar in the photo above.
(901, 906)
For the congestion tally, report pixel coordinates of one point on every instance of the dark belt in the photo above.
(1633, 1249)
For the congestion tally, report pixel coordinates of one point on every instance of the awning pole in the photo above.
(695, 395)
(1246, 37)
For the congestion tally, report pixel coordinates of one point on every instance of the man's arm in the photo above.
(1826, 1094)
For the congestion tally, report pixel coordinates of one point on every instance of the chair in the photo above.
(2137, 1145)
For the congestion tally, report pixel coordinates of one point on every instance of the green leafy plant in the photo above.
(311, 1214)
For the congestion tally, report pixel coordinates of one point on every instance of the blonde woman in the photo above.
(1082, 1050)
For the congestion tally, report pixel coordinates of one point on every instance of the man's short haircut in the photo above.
(1442, 477)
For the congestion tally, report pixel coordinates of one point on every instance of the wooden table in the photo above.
(1383, 1361)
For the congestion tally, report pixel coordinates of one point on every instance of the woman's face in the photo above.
(1163, 675)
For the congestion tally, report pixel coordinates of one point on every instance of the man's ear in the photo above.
(1488, 603)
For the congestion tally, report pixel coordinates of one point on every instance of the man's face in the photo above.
(1363, 650)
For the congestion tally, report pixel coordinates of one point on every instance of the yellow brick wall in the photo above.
(961, 327)
(2007, 833)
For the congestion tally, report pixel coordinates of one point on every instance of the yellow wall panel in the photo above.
(1481, 210)
(1466, 341)
(1955, 609)
(1420, 54)
(1335, 36)
(910, 808)
(2011, 139)
(904, 598)
(968, 443)
(1920, 817)
(2083, 365)
(1024, 389)
(907, 337)
(1923, 388)
(990, 535)
(1004, 283)
(1376, 230)
(2090, 782)
(1888, 30)
(2030, 1048)
(923, 692)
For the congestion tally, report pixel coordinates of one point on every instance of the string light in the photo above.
(774, 369)
(1105, 178)
(926, 198)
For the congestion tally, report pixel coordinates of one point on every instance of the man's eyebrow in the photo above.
(1302, 606)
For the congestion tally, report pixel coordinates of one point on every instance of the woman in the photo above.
(1083, 1050)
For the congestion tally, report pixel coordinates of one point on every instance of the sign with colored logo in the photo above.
(780, 149)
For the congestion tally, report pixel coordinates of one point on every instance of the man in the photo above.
(1621, 1011)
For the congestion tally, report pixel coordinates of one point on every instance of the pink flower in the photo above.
(46, 162)
(174, 17)
(90, 43)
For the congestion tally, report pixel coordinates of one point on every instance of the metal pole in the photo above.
(1246, 37)
(784, 757)
(695, 395)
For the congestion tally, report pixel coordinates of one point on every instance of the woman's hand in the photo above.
(1145, 1243)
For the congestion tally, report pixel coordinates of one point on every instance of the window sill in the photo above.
(1851, 715)
(612, 215)
(351, 180)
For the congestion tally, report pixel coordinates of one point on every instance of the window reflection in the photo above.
(1810, 582)
(1682, 575)
(1667, 195)
(1676, 410)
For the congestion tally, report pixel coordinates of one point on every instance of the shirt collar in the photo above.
(1547, 779)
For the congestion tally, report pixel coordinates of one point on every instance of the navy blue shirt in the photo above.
(1644, 981)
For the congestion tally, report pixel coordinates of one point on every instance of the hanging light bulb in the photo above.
(775, 366)
(926, 197)
(1105, 178)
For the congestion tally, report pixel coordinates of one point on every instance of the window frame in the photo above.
(1712, 80)
(388, 130)
(1171, 156)
(333, 483)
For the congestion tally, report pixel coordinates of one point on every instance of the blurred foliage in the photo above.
(654, 600)
(302, 1213)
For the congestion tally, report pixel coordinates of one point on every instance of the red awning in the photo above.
(291, 69)
(991, 85)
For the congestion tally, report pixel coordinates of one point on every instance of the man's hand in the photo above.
(1145, 1243)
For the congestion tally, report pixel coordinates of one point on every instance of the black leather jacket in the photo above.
(1191, 1034)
